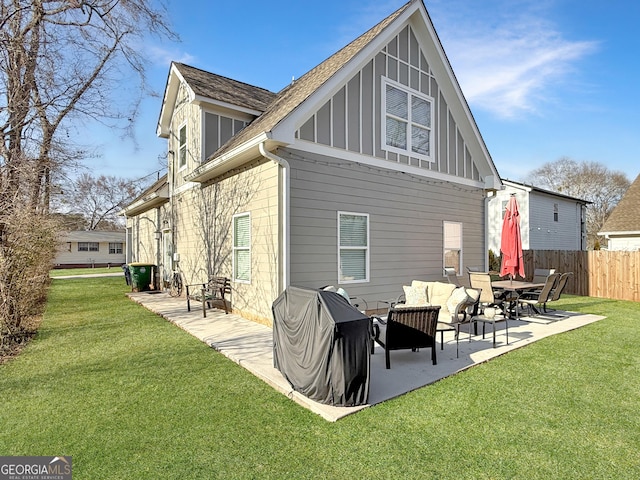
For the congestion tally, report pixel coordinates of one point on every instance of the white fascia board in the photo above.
(620, 233)
(144, 204)
(174, 80)
(201, 100)
(227, 161)
(517, 186)
(383, 164)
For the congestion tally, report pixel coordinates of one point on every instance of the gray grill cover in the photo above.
(321, 344)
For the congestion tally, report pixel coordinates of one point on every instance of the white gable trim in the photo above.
(174, 80)
(416, 15)
(320, 149)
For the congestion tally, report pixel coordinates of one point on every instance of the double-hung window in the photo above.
(115, 248)
(408, 120)
(353, 247)
(452, 240)
(182, 146)
(88, 246)
(242, 248)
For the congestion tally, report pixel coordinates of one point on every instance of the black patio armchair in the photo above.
(408, 328)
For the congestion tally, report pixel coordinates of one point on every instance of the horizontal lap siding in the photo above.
(254, 190)
(406, 215)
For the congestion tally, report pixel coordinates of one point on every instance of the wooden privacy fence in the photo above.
(596, 273)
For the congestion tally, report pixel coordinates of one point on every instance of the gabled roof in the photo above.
(625, 217)
(275, 125)
(216, 87)
(93, 236)
(533, 188)
(293, 95)
(211, 88)
(154, 196)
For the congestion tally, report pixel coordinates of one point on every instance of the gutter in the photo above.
(285, 211)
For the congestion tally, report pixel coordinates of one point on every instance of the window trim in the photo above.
(445, 249)
(556, 212)
(383, 134)
(89, 245)
(182, 166)
(116, 246)
(367, 249)
(243, 248)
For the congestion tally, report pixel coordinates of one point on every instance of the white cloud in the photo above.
(508, 64)
(163, 57)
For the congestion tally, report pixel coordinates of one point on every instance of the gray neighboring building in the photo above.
(548, 220)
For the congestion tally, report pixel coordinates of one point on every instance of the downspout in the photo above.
(487, 197)
(286, 170)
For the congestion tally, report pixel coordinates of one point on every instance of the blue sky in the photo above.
(544, 78)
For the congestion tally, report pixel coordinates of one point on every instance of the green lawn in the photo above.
(130, 396)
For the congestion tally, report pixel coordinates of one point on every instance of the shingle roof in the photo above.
(94, 236)
(223, 89)
(625, 217)
(289, 98)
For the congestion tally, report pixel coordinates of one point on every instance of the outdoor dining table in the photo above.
(517, 287)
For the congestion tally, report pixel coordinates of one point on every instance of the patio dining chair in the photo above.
(540, 274)
(557, 290)
(532, 299)
(488, 297)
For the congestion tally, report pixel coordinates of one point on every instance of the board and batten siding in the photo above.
(352, 119)
(406, 215)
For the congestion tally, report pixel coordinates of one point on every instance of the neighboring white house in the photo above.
(622, 228)
(91, 249)
(366, 172)
(548, 220)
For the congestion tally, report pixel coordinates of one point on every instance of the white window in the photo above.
(242, 248)
(353, 247)
(556, 209)
(88, 246)
(407, 119)
(115, 248)
(452, 236)
(182, 146)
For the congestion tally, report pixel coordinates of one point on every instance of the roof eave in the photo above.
(200, 99)
(232, 159)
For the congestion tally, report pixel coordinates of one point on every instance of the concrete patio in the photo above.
(250, 345)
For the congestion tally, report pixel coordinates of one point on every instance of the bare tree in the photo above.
(589, 181)
(62, 61)
(99, 199)
(62, 64)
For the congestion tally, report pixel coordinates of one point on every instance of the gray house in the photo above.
(548, 220)
(365, 173)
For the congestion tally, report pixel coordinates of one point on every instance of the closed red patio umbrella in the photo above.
(511, 242)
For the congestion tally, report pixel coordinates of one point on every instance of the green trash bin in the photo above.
(141, 276)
